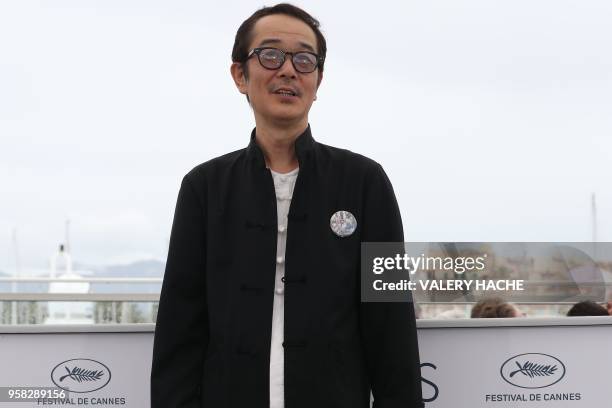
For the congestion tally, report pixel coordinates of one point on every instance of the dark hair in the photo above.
(485, 303)
(493, 307)
(501, 310)
(244, 35)
(587, 308)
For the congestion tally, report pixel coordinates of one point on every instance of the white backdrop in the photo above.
(462, 362)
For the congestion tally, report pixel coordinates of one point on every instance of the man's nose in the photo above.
(287, 68)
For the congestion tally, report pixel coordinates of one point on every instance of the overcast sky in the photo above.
(493, 119)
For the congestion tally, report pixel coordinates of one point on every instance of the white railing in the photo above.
(80, 297)
(19, 307)
(30, 279)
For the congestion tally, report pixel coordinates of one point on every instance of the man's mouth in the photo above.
(285, 92)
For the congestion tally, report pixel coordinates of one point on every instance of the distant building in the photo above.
(68, 312)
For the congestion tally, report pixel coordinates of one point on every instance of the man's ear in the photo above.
(238, 77)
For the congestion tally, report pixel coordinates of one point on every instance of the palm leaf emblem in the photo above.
(532, 370)
(80, 374)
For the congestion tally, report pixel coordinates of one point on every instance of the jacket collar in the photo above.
(304, 146)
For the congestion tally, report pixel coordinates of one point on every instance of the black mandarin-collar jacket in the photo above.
(212, 338)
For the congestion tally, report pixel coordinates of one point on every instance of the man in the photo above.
(260, 305)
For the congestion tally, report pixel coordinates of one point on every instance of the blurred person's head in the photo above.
(587, 308)
(488, 302)
(494, 308)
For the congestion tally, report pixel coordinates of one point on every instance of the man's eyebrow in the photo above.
(274, 41)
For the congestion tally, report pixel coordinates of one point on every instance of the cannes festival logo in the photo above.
(532, 370)
(81, 375)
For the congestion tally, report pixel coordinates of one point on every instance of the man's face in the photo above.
(288, 34)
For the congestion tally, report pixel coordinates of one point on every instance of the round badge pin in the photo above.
(343, 223)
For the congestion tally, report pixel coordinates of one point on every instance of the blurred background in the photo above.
(492, 119)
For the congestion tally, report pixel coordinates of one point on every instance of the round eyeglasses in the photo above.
(304, 62)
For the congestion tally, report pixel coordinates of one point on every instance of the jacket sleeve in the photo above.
(181, 331)
(388, 329)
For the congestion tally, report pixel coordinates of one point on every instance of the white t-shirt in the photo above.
(283, 184)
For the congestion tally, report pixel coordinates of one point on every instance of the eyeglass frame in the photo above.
(257, 50)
